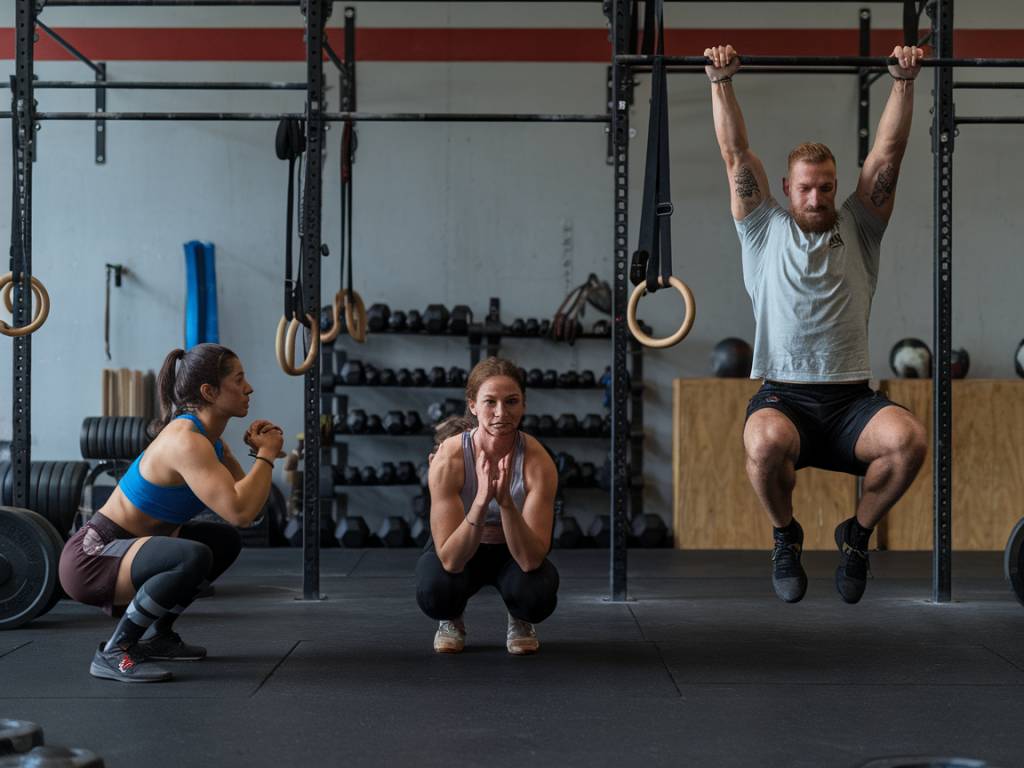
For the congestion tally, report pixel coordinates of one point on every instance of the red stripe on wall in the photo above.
(493, 44)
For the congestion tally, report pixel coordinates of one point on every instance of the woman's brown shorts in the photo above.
(91, 559)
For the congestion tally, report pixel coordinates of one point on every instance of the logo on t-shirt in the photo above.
(836, 241)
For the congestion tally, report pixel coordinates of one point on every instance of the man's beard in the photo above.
(808, 222)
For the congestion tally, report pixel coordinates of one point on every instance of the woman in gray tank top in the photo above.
(492, 493)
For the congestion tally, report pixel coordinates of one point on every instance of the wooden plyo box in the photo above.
(715, 506)
(988, 465)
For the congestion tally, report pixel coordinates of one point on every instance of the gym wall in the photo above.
(458, 213)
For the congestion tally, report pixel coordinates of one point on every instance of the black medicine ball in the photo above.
(732, 359)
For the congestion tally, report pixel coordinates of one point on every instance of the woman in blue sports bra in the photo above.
(492, 495)
(140, 554)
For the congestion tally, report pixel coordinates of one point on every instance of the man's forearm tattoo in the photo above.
(746, 184)
(884, 185)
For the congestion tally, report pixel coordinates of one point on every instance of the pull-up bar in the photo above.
(333, 117)
(821, 61)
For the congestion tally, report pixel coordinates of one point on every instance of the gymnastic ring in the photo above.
(326, 337)
(42, 306)
(355, 316)
(284, 345)
(679, 335)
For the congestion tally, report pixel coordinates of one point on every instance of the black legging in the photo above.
(168, 572)
(529, 596)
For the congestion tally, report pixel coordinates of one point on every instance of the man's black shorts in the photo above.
(828, 417)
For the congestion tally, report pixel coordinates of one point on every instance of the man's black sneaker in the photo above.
(169, 647)
(789, 580)
(126, 666)
(852, 572)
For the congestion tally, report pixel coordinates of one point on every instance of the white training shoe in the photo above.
(450, 636)
(521, 638)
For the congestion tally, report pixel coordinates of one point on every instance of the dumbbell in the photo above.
(568, 469)
(352, 372)
(423, 473)
(587, 379)
(650, 530)
(374, 426)
(377, 318)
(568, 380)
(437, 376)
(371, 376)
(368, 476)
(567, 533)
(394, 532)
(601, 530)
(326, 318)
(394, 423)
(550, 379)
(435, 319)
(387, 474)
(545, 328)
(419, 377)
(403, 377)
(405, 473)
(398, 321)
(419, 531)
(592, 425)
(607, 426)
(545, 425)
(459, 320)
(567, 424)
(387, 377)
(532, 327)
(602, 328)
(535, 378)
(588, 473)
(355, 421)
(413, 423)
(518, 327)
(352, 532)
(413, 321)
(421, 506)
(352, 476)
(442, 409)
(529, 424)
(457, 376)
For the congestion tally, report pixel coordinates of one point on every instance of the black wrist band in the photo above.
(723, 80)
(910, 79)
(261, 458)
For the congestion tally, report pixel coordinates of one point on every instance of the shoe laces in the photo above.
(520, 628)
(452, 627)
(786, 555)
(854, 558)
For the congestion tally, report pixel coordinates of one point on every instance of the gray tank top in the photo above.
(469, 488)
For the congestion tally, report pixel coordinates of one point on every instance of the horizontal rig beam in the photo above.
(297, 2)
(967, 84)
(168, 86)
(990, 120)
(335, 117)
(820, 61)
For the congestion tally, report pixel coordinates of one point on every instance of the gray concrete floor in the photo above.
(702, 667)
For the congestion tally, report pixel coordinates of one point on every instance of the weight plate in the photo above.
(5, 483)
(17, 736)
(41, 501)
(65, 509)
(83, 437)
(1013, 560)
(96, 434)
(71, 493)
(53, 757)
(28, 564)
(58, 591)
(119, 438)
(54, 511)
(33, 482)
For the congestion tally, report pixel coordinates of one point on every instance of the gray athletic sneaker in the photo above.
(450, 636)
(126, 665)
(521, 637)
(169, 647)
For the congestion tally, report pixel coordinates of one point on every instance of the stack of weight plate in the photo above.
(29, 555)
(54, 490)
(114, 437)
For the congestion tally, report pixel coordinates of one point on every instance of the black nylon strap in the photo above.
(653, 257)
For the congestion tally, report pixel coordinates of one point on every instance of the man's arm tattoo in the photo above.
(885, 183)
(746, 184)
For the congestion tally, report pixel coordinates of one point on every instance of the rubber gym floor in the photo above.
(702, 667)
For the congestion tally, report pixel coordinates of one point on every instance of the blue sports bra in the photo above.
(168, 503)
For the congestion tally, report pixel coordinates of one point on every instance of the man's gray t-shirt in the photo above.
(811, 292)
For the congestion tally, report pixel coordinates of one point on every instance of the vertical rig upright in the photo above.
(621, 84)
(312, 193)
(22, 143)
(943, 136)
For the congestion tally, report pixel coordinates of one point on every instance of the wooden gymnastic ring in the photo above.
(355, 316)
(284, 345)
(42, 306)
(679, 335)
(326, 337)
